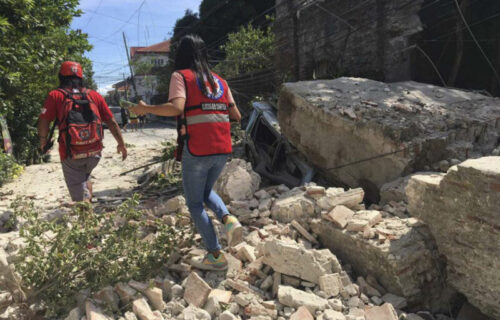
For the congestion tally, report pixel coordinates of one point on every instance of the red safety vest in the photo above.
(206, 118)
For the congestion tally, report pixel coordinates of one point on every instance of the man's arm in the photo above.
(43, 131)
(115, 131)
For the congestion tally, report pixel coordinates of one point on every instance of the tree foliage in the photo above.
(34, 39)
(247, 50)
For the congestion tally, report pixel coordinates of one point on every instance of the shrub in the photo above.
(9, 169)
(85, 250)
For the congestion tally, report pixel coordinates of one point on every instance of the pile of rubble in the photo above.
(280, 270)
(307, 253)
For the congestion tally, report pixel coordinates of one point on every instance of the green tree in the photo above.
(34, 39)
(247, 50)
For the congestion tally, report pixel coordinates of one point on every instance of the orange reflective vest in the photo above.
(208, 130)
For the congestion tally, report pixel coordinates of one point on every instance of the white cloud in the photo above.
(104, 90)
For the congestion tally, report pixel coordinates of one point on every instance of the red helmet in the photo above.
(70, 68)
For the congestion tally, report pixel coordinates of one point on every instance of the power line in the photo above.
(128, 21)
(90, 19)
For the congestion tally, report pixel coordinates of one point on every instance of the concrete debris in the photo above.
(384, 312)
(294, 260)
(295, 298)
(287, 267)
(461, 210)
(237, 181)
(196, 290)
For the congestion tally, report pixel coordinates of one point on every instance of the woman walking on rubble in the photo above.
(206, 105)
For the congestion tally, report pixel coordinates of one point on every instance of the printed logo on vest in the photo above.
(84, 134)
(213, 107)
(211, 95)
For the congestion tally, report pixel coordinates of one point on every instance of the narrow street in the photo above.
(44, 183)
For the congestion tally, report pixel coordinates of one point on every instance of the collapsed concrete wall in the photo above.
(366, 133)
(319, 39)
(462, 209)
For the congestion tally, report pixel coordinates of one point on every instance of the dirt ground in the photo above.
(44, 183)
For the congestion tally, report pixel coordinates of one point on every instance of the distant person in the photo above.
(79, 114)
(124, 114)
(206, 102)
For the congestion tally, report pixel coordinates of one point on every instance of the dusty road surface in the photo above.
(44, 183)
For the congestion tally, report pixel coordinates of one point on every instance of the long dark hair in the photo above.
(192, 54)
(72, 82)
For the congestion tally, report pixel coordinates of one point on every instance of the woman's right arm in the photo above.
(169, 109)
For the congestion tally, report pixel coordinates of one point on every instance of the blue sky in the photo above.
(145, 22)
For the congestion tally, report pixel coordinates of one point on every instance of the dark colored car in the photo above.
(269, 151)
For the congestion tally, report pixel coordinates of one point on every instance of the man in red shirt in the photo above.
(77, 167)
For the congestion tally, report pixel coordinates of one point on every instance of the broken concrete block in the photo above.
(356, 225)
(366, 288)
(234, 266)
(237, 181)
(130, 316)
(461, 210)
(221, 295)
(332, 315)
(196, 290)
(312, 118)
(154, 295)
(294, 207)
(143, 311)
(294, 260)
(294, 298)
(330, 284)
(247, 253)
(257, 310)
(350, 199)
(227, 315)
(267, 283)
(340, 215)
(212, 307)
(302, 313)
(304, 232)
(194, 313)
(276, 283)
(384, 312)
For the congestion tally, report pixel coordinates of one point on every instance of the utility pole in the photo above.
(130, 67)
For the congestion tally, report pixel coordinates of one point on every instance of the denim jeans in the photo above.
(198, 177)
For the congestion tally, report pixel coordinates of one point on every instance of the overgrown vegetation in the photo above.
(86, 250)
(248, 50)
(9, 169)
(34, 39)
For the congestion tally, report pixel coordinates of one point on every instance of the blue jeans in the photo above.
(198, 176)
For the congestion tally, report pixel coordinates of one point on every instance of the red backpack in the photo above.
(81, 128)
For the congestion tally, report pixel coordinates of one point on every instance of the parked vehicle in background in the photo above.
(117, 114)
(270, 153)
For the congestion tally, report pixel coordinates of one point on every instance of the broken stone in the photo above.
(330, 284)
(155, 295)
(129, 316)
(331, 315)
(227, 315)
(302, 313)
(294, 207)
(94, 313)
(276, 283)
(291, 259)
(262, 194)
(384, 312)
(292, 297)
(212, 306)
(366, 288)
(197, 290)
(303, 232)
(237, 181)
(247, 253)
(143, 311)
(267, 283)
(255, 310)
(222, 296)
(336, 304)
(193, 313)
(350, 199)
(177, 291)
(234, 266)
(340, 215)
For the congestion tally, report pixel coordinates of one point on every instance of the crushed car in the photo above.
(270, 153)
